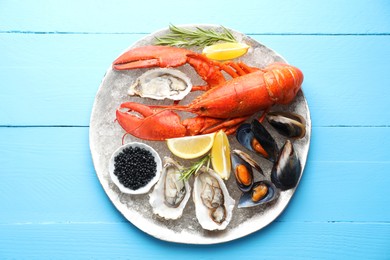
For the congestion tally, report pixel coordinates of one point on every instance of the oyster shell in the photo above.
(170, 195)
(162, 83)
(213, 204)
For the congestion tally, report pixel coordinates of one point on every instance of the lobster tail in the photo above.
(283, 82)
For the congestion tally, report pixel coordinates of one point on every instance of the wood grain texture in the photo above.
(53, 57)
(265, 17)
(281, 240)
(49, 174)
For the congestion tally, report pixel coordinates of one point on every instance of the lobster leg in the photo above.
(206, 125)
(246, 68)
(206, 69)
(198, 125)
(233, 69)
(227, 126)
(200, 88)
(264, 114)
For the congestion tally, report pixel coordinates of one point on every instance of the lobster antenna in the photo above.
(175, 107)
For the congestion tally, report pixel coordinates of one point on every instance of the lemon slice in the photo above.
(220, 155)
(225, 51)
(191, 147)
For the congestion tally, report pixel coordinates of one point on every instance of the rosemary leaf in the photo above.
(182, 37)
(193, 169)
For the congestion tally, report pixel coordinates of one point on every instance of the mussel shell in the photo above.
(246, 133)
(265, 139)
(246, 198)
(251, 161)
(287, 123)
(287, 169)
(236, 162)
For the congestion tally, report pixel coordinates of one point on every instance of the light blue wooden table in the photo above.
(53, 55)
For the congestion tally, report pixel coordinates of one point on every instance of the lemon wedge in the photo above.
(220, 155)
(191, 147)
(225, 51)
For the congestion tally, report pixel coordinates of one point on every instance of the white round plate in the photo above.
(106, 137)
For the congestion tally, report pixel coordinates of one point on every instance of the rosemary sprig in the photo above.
(181, 37)
(193, 169)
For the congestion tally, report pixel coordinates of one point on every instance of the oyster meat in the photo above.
(171, 194)
(213, 204)
(162, 83)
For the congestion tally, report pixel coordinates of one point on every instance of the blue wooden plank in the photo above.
(341, 191)
(57, 76)
(349, 144)
(48, 96)
(280, 17)
(61, 51)
(53, 56)
(47, 176)
(120, 240)
(344, 76)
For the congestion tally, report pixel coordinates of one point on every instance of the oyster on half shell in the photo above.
(162, 83)
(171, 194)
(213, 204)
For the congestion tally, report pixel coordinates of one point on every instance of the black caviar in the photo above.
(134, 167)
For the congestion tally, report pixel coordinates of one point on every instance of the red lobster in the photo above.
(224, 105)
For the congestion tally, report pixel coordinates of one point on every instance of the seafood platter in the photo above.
(244, 101)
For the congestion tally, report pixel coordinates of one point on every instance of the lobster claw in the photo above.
(166, 56)
(151, 56)
(148, 122)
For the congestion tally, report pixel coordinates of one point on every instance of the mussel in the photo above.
(287, 169)
(262, 192)
(247, 158)
(288, 124)
(243, 172)
(256, 138)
